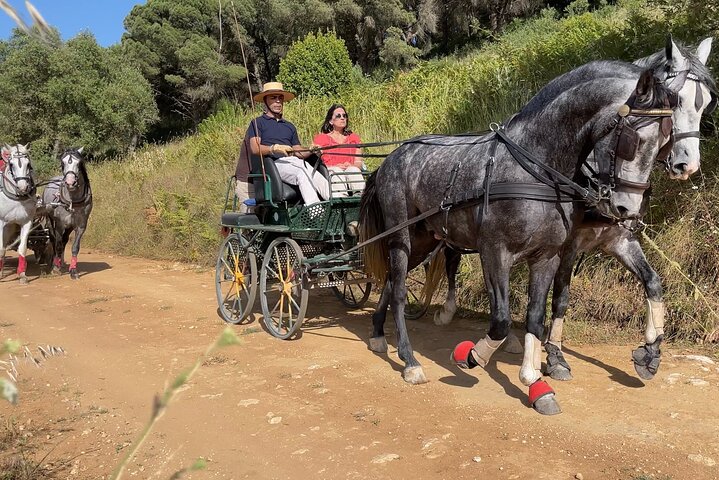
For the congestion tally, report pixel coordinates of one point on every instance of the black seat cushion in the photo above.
(239, 219)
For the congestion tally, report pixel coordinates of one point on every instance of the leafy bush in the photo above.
(317, 65)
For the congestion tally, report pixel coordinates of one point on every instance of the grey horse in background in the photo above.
(17, 205)
(573, 115)
(67, 203)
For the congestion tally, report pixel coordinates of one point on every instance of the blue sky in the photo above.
(101, 17)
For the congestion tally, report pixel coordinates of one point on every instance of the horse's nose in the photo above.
(679, 168)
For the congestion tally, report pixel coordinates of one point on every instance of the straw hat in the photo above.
(271, 88)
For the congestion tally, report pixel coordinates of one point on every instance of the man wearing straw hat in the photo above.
(270, 135)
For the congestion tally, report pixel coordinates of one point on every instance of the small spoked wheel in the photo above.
(415, 307)
(235, 279)
(284, 300)
(353, 295)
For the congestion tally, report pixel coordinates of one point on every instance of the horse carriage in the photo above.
(285, 248)
(43, 223)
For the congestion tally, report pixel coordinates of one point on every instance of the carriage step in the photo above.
(235, 219)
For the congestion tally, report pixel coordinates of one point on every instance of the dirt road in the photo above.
(324, 406)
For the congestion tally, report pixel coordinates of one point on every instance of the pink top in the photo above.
(330, 157)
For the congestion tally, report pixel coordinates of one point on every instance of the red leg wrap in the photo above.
(539, 389)
(462, 355)
(21, 265)
(57, 262)
(73, 263)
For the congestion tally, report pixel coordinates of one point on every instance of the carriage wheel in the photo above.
(235, 279)
(353, 295)
(414, 307)
(284, 301)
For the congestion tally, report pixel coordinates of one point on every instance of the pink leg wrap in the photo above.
(57, 262)
(73, 263)
(21, 265)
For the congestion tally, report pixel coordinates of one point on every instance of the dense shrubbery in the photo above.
(179, 188)
(316, 65)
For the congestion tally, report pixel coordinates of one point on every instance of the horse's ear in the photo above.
(704, 49)
(79, 150)
(25, 147)
(675, 58)
(5, 151)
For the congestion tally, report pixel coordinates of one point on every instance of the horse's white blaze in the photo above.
(655, 321)
(532, 362)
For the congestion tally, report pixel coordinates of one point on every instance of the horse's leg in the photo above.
(22, 251)
(557, 366)
(378, 342)
(398, 257)
(452, 259)
(495, 266)
(2, 249)
(59, 247)
(629, 252)
(79, 231)
(541, 395)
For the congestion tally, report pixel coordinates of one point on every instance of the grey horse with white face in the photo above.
(68, 203)
(530, 168)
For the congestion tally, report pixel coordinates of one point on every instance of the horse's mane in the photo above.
(600, 69)
(658, 61)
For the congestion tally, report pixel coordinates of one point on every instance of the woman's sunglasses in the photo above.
(341, 115)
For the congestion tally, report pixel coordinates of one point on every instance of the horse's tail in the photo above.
(371, 220)
(434, 275)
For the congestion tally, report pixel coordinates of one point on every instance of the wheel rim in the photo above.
(355, 294)
(414, 307)
(284, 301)
(235, 279)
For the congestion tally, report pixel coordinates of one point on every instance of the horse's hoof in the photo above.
(56, 271)
(414, 375)
(441, 318)
(378, 344)
(541, 397)
(559, 372)
(547, 405)
(647, 359)
(23, 280)
(513, 345)
(74, 275)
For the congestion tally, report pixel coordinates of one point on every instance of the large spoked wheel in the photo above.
(415, 307)
(284, 301)
(353, 295)
(235, 279)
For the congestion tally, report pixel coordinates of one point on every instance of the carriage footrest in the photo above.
(236, 219)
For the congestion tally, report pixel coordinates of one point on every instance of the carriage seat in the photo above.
(281, 191)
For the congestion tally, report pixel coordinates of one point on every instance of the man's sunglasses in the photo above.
(341, 115)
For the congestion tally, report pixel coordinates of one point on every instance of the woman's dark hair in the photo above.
(327, 127)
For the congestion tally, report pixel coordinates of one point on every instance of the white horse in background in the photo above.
(17, 205)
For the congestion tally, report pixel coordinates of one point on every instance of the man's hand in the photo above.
(316, 149)
(286, 150)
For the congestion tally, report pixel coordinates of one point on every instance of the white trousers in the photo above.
(342, 183)
(296, 171)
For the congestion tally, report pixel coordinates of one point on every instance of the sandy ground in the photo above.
(322, 406)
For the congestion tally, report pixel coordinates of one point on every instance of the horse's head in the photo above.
(630, 143)
(71, 162)
(697, 95)
(19, 168)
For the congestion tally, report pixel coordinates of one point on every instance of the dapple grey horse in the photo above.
(541, 146)
(17, 205)
(68, 203)
(696, 98)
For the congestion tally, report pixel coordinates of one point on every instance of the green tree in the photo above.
(72, 94)
(176, 44)
(317, 65)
